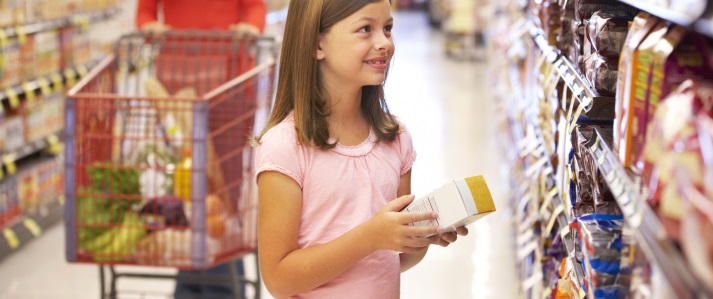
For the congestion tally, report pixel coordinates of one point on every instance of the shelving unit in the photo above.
(29, 227)
(21, 225)
(77, 20)
(649, 232)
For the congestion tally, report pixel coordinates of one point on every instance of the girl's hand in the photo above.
(446, 239)
(389, 229)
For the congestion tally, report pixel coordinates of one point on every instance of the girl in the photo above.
(333, 165)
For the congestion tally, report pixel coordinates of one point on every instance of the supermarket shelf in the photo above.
(597, 107)
(650, 235)
(10, 157)
(29, 227)
(35, 85)
(685, 16)
(76, 20)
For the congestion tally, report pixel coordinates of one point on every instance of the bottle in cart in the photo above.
(182, 177)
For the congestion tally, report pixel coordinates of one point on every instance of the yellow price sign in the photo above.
(61, 199)
(58, 82)
(9, 162)
(21, 36)
(11, 238)
(82, 70)
(32, 226)
(30, 95)
(71, 77)
(12, 97)
(44, 86)
(3, 39)
(55, 146)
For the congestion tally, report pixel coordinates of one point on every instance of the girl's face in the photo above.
(357, 50)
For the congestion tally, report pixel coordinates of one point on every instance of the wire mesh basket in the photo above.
(158, 160)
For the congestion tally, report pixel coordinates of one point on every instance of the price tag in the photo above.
(55, 146)
(564, 98)
(580, 109)
(82, 70)
(530, 282)
(9, 162)
(30, 95)
(3, 39)
(565, 231)
(21, 36)
(71, 77)
(44, 86)
(526, 250)
(532, 170)
(548, 199)
(601, 159)
(58, 82)
(551, 223)
(595, 146)
(522, 239)
(32, 226)
(12, 97)
(3, 45)
(61, 200)
(11, 238)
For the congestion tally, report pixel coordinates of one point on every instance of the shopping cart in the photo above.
(158, 158)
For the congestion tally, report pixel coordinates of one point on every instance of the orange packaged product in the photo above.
(634, 101)
(642, 25)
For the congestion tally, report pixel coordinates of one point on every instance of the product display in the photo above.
(636, 212)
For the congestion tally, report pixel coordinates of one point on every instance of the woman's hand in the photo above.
(446, 239)
(155, 27)
(245, 29)
(389, 229)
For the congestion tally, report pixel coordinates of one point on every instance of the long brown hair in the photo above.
(298, 86)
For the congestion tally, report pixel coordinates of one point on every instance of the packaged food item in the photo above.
(601, 242)
(634, 122)
(458, 203)
(640, 28)
(606, 32)
(671, 146)
(681, 55)
(601, 72)
(584, 9)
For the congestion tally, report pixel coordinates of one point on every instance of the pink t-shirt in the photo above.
(342, 188)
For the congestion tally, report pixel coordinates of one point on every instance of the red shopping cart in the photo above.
(158, 159)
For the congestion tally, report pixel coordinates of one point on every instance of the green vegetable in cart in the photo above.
(124, 239)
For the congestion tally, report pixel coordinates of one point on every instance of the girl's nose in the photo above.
(382, 42)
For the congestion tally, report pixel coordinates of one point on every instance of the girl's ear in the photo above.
(320, 52)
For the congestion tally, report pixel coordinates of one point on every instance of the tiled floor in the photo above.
(446, 106)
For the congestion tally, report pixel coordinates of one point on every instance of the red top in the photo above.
(202, 14)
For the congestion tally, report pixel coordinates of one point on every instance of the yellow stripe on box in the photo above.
(481, 194)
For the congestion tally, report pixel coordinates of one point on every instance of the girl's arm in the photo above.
(288, 270)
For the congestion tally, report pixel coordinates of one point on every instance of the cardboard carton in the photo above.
(458, 203)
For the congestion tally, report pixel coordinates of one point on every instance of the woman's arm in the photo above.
(253, 13)
(288, 270)
(146, 12)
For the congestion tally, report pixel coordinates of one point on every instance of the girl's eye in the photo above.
(388, 28)
(365, 29)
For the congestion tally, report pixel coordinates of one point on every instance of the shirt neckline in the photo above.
(358, 150)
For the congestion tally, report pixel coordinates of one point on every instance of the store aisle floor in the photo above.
(446, 106)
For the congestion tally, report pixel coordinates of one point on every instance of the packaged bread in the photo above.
(601, 72)
(606, 32)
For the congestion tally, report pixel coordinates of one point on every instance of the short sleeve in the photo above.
(279, 151)
(406, 149)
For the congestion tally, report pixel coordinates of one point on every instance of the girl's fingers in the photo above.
(421, 231)
(417, 242)
(462, 231)
(449, 237)
(411, 217)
